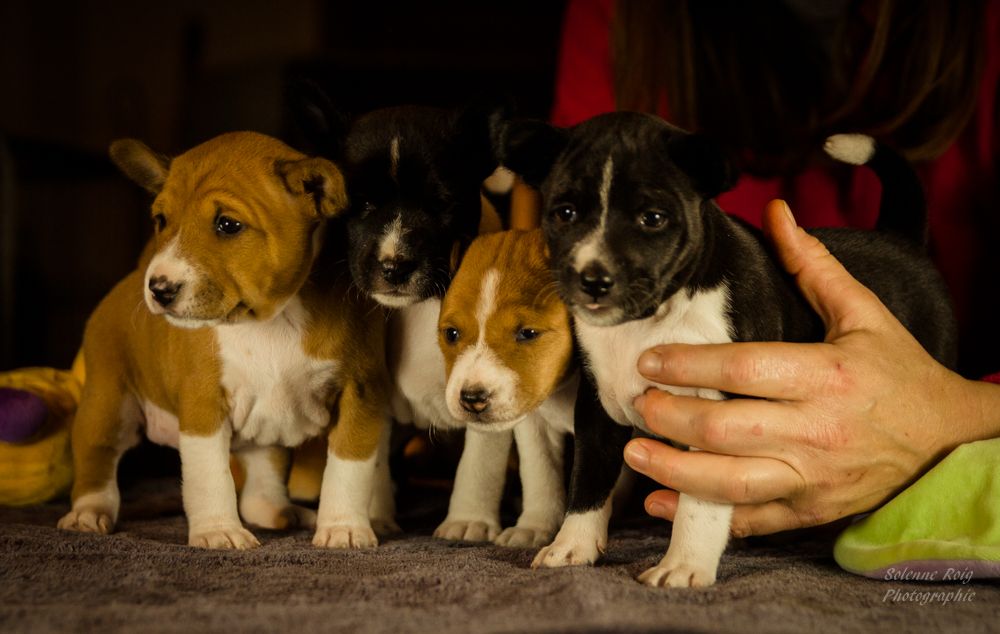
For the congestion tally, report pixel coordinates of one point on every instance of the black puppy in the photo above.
(645, 257)
(414, 176)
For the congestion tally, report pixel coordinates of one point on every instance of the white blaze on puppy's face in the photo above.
(503, 330)
(170, 270)
(477, 367)
(591, 248)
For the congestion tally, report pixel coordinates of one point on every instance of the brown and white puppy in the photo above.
(236, 333)
(508, 347)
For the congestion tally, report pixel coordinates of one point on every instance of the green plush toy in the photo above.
(945, 525)
(36, 408)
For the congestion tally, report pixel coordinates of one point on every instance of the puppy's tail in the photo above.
(903, 207)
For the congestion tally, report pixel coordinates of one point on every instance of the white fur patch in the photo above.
(540, 454)
(107, 499)
(855, 149)
(346, 492)
(169, 264)
(390, 246)
(699, 537)
(591, 248)
(613, 351)
(207, 483)
(416, 366)
(162, 427)
(394, 158)
(479, 484)
(501, 181)
(277, 393)
(580, 541)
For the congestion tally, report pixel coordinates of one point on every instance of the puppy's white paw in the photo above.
(88, 520)
(682, 575)
(524, 537)
(385, 526)
(223, 538)
(560, 553)
(468, 530)
(344, 537)
(276, 516)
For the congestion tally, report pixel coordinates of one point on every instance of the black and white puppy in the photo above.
(645, 257)
(414, 176)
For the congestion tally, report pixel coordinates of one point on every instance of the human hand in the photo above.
(847, 423)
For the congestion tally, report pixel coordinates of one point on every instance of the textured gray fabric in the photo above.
(144, 578)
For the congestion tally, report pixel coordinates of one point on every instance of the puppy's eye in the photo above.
(652, 219)
(452, 335)
(367, 207)
(159, 221)
(526, 334)
(224, 225)
(564, 213)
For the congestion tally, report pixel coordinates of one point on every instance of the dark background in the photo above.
(76, 75)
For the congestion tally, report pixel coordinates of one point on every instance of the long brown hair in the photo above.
(770, 85)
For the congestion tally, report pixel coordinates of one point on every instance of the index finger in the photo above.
(773, 370)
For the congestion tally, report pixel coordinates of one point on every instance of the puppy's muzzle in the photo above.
(596, 281)
(397, 271)
(475, 400)
(164, 291)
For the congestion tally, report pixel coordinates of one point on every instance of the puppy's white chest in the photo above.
(417, 366)
(613, 351)
(277, 394)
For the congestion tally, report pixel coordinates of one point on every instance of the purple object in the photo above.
(22, 413)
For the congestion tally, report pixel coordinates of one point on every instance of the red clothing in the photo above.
(961, 184)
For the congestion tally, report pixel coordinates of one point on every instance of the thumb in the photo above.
(843, 303)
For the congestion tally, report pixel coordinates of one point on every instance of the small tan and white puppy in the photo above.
(236, 333)
(508, 350)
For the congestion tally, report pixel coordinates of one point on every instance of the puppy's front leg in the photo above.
(348, 479)
(543, 494)
(700, 534)
(209, 491)
(597, 463)
(474, 508)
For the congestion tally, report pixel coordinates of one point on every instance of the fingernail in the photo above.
(788, 213)
(650, 363)
(636, 455)
(656, 509)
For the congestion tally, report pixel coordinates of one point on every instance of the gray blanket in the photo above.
(144, 578)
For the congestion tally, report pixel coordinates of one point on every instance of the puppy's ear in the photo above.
(317, 178)
(530, 149)
(475, 129)
(458, 248)
(145, 167)
(318, 128)
(706, 163)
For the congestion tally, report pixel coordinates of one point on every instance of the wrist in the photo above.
(977, 411)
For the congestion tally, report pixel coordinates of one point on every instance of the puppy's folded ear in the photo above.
(317, 178)
(530, 149)
(145, 167)
(706, 163)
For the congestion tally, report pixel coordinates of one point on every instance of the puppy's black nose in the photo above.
(595, 280)
(397, 271)
(475, 400)
(164, 291)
